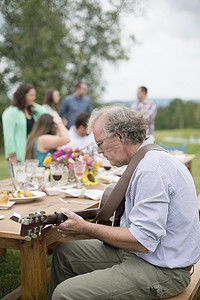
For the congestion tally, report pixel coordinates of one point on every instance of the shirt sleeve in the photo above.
(8, 122)
(148, 217)
(38, 111)
(89, 108)
(63, 107)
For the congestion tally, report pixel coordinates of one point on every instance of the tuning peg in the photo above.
(28, 237)
(37, 214)
(42, 212)
(31, 215)
(40, 230)
(34, 234)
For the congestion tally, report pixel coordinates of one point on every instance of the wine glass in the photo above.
(31, 166)
(106, 164)
(56, 171)
(79, 170)
(37, 179)
(20, 174)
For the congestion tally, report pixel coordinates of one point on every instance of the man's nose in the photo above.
(99, 150)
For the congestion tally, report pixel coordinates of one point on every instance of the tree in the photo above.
(178, 114)
(54, 43)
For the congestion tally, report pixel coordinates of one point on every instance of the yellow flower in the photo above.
(95, 168)
(47, 160)
(89, 178)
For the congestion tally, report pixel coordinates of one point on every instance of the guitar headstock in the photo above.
(31, 226)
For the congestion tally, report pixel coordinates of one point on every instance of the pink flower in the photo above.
(88, 159)
(69, 166)
(75, 154)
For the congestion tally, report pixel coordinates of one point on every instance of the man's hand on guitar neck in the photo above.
(73, 225)
(119, 237)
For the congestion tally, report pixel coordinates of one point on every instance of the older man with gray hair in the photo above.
(149, 256)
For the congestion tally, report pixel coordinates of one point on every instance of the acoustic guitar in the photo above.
(32, 226)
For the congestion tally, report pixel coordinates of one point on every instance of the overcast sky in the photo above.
(166, 55)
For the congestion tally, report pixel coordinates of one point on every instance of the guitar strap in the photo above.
(117, 196)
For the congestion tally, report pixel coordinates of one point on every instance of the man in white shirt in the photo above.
(79, 136)
(152, 252)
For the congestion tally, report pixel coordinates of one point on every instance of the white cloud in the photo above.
(166, 56)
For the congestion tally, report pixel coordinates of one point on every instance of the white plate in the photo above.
(29, 199)
(6, 206)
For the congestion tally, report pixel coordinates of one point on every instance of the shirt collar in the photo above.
(147, 141)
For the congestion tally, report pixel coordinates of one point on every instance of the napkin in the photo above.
(76, 193)
(93, 194)
(107, 178)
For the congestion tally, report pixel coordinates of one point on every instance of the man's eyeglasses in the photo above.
(100, 144)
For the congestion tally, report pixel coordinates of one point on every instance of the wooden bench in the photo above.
(188, 294)
(192, 288)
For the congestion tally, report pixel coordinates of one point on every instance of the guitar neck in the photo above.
(57, 218)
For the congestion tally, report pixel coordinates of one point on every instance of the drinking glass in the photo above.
(106, 164)
(56, 172)
(37, 179)
(79, 170)
(31, 166)
(20, 174)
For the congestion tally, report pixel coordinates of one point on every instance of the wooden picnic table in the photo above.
(33, 253)
(188, 158)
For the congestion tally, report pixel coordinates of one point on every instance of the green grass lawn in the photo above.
(10, 264)
(191, 148)
(3, 167)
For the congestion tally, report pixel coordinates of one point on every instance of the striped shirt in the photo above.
(148, 109)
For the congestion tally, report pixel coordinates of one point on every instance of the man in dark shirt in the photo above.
(73, 104)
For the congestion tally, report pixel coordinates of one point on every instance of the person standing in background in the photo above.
(51, 99)
(73, 104)
(147, 108)
(18, 120)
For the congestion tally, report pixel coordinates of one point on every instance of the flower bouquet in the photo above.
(68, 156)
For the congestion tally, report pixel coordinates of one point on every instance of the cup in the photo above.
(31, 165)
(37, 178)
(19, 169)
(56, 173)
(79, 170)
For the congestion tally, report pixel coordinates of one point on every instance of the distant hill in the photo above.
(162, 102)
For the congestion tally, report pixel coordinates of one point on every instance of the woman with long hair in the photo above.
(18, 120)
(48, 133)
(51, 99)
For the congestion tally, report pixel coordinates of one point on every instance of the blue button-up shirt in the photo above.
(161, 211)
(72, 106)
